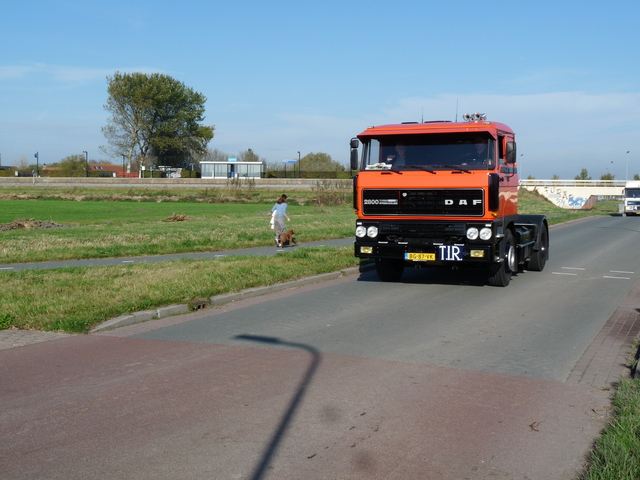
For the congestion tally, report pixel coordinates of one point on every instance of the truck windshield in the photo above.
(467, 151)
(632, 193)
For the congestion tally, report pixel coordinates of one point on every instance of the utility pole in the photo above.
(626, 173)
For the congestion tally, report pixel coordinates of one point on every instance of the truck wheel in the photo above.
(389, 270)
(539, 258)
(500, 273)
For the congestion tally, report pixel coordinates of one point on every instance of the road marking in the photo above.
(573, 268)
(621, 271)
(621, 278)
(564, 273)
(219, 256)
(6, 268)
(128, 261)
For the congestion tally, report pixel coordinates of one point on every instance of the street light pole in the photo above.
(626, 173)
(86, 163)
(299, 174)
(37, 163)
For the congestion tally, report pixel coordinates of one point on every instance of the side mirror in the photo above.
(511, 152)
(354, 153)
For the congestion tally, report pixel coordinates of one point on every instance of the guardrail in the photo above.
(572, 183)
(190, 182)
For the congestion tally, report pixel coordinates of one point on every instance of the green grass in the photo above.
(109, 228)
(117, 229)
(235, 192)
(114, 212)
(76, 299)
(616, 454)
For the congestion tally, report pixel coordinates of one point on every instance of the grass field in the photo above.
(117, 229)
(76, 299)
(103, 225)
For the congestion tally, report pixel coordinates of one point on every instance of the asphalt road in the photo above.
(438, 376)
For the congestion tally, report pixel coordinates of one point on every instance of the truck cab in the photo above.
(631, 198)
(443, 194)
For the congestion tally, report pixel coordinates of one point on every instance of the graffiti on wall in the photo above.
(560, 197)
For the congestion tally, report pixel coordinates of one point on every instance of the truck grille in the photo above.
(423, 232)
(443, 202)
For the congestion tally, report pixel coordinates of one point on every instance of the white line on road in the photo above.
(564, 273)
(621, 278)
(621, 271)
(573, 268)
(128, 261)
(6, 268)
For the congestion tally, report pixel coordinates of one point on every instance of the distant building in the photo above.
(231, 169)
(107, 170)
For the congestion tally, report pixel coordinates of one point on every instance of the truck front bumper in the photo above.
(428, 242)
(435, 255)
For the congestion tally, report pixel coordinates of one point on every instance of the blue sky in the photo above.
(284, 76)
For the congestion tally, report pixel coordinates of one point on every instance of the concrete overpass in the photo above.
(574, 194)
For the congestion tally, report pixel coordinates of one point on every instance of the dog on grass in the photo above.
(287, 237)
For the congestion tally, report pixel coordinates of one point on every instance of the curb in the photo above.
(138, 317)
(215, 301)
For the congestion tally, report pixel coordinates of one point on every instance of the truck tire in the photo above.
(539, 257)
(500, 273)
(389, 270)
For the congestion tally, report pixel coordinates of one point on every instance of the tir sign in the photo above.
(462, 201)
(450, 253)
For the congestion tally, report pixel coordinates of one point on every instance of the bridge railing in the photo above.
(572, 183)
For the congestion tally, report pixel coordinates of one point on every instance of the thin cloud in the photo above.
(65, 74)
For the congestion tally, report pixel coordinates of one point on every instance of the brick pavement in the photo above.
(607, 358)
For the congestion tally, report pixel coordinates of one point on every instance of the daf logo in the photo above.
(462, 201)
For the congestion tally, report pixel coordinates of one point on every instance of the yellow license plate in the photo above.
(420, 257)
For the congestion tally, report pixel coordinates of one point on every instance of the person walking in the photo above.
(280, 210)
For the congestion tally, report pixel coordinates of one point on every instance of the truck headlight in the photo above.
(472, 233)
(485, 234)
(372, 232)
(360, 231)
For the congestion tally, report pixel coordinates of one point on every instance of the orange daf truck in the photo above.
(443, 194)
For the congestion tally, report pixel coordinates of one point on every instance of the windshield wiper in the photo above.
(421, 167)
(453, 167)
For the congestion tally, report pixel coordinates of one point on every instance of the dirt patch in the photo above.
(29, 224)
(178, 218)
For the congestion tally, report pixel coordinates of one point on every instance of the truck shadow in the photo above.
(472, 277)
